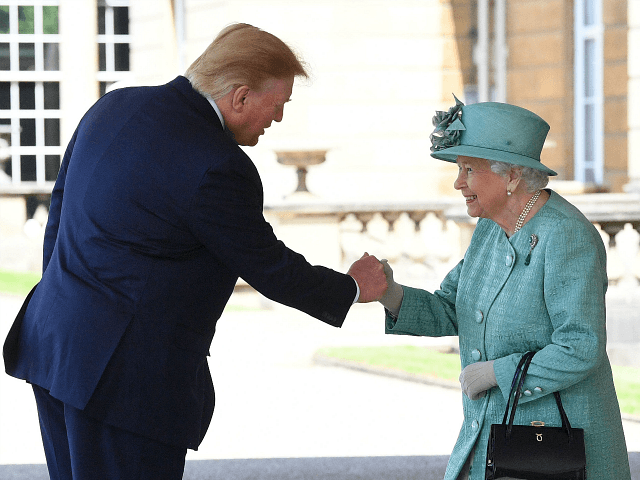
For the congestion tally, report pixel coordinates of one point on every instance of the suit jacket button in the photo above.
(476, 355)
(527, 393)
(537, 390)
(479, 316)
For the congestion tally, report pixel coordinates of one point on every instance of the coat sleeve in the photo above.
(575, 284)
(227, 217)
(428, 314)
(55, 207)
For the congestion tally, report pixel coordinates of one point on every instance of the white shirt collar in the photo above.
(215, 107)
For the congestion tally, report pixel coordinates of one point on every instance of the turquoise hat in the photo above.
(490, 130)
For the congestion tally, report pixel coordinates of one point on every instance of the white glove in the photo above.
(477, 378)
(392, 298)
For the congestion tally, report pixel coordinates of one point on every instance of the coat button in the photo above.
(527, 393)
(508, 260)
(479, 316)
(475, 424)
(537, 390)
(476, 355)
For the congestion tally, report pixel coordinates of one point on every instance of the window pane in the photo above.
(50, 20)
(589, 67)
(51, 167)
(5, 95)
(122, 57)
(589, 176)
(51, 57)
(27, 95)
(4, 19)
(5, 57)
(28, 132)
(28, 168)
(102, 57)
(589, 12)
(51, 95)
(25, 20)
(27, 56)
(121, 20)
(101, 29)
(52, 132)
(7, 167)
(589, 132)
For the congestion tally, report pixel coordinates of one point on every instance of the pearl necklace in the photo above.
(527, 209)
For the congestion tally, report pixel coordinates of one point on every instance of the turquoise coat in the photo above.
(500, 308)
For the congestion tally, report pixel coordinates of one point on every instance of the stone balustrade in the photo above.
(424, 240)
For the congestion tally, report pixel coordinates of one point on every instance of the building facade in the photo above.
(375, 82)
(378, 69)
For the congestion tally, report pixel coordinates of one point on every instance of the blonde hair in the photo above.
(242, 54)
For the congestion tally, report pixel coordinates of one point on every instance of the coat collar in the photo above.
(182, 85)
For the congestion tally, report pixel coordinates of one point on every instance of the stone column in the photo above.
(79, 88)
(154, 47)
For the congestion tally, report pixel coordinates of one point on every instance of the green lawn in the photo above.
(425, 361)
(17, 283)
(20, 283)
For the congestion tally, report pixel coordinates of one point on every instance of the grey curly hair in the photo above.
(533, 178)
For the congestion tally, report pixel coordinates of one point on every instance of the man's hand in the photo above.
(368, 273)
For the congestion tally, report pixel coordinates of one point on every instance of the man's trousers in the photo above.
(79, 447)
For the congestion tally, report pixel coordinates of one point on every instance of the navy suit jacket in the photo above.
(155, 214)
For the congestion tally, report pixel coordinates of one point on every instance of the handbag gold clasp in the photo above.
(537, 424)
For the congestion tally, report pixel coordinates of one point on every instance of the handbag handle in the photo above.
(518, 379)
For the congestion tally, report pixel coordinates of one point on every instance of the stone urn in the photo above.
(301, 160)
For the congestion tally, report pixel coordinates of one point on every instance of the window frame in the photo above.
(588, 134)
(110, 39)
(38, 76)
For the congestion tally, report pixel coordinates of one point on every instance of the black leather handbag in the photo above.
(534, 452)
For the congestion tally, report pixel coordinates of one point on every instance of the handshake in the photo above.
(375, 280)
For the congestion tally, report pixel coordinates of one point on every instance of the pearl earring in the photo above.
(508, 193)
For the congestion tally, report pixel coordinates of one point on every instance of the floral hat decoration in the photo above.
(490, 130)
(448, 127)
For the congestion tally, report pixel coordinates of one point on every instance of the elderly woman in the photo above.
(533, 279)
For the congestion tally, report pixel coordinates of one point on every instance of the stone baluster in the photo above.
(622, 242)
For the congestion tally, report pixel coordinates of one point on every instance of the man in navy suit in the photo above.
(155, 214)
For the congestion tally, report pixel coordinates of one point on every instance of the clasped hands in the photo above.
(375, 280)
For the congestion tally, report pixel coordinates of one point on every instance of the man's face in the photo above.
(260, 108)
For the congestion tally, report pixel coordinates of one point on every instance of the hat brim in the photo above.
(451, 155)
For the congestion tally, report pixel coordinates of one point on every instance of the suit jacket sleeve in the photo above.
(55, 208)
(227, 216)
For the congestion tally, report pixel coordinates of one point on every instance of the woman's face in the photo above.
(485, 191)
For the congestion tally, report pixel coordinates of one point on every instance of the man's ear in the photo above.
(239, 98)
